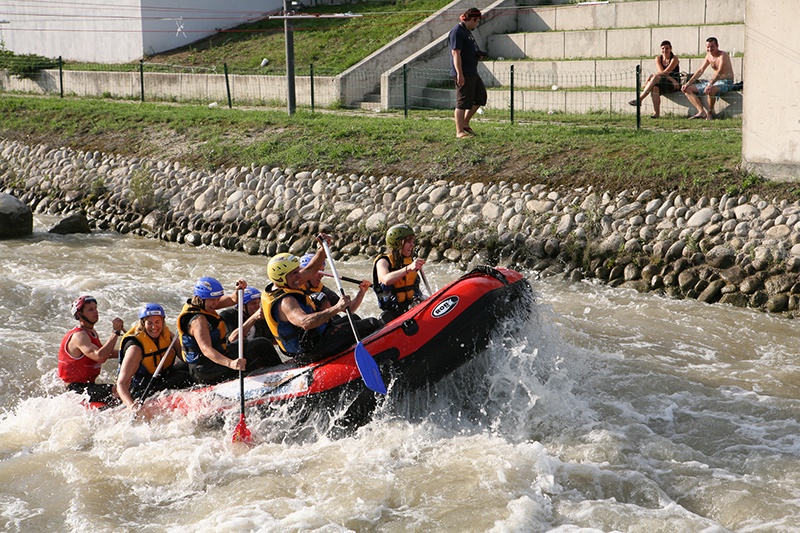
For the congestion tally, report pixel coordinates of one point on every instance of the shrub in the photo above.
(26, 65)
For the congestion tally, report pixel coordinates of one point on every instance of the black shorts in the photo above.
(665, 85)
(97, 392)
(471, 94)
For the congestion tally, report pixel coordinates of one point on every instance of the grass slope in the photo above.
(560, 151)
(605, 152)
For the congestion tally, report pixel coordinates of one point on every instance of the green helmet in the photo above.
(280, 266)
(397, 234)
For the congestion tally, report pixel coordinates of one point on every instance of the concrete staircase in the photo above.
(370, 102)
(579, 57)
(599, 45)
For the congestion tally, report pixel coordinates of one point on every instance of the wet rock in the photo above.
(552, 247)
(193, 239)
(733, 275)
(16, 218)
(758, 298)
(687, 279)
(617, 274)
(602, 273)
(720, 257)
(780, 283)
(736, 299)
(712, 292)
(675, 251)
(751, 284)
(777, 303)
(76, 223)
(631, 272)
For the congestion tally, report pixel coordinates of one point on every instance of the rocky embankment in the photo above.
(743, 251)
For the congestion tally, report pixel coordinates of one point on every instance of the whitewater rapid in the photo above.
(609, 410)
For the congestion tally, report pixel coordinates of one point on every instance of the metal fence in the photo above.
(535, 86)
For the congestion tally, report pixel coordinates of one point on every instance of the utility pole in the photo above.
(289, 37)
(287, 17)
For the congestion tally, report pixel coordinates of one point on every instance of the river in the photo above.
(608, 411)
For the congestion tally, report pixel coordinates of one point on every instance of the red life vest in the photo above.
(80, 370)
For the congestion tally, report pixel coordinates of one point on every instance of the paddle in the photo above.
(141, 399)
(367, 366)
(241, 433)
(344, 278)
(425, 281)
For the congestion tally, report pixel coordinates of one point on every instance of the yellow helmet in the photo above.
(280, 266)
(397, 234)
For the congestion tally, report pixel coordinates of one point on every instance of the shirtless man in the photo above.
(82, 353)
(721, 83)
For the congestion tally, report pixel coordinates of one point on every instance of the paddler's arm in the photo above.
(130, 363)
(80, 343)
(232, 299)
(387, 277)
(290, 311)
(317, 262)
(247, 325)
(362, 290)
(198, 329)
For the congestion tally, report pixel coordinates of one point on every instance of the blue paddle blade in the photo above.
(370, 372)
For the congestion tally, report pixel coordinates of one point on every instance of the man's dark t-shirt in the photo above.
(461, 39)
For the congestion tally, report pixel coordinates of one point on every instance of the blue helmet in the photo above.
(305, 260)
(151, 310)
(207, 287)
(250, 294)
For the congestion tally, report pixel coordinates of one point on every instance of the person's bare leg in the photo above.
(656, 96)
(468, 114)
(694, 99)
(651, 81)
(461, 122)
(712, 99)
(650, 85)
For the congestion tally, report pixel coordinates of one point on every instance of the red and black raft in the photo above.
(417, 349)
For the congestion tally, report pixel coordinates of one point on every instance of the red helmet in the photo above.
(78, 304)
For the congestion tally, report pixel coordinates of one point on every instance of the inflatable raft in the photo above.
(418, 348)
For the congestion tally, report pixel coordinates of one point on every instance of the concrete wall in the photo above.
(771, 125)
(119, 31)
(203, 88)
(631, 15)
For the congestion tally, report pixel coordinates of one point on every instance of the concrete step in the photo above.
(582, 73)
(614, 43)
(371, 102)
(638, 14)
(560, 101)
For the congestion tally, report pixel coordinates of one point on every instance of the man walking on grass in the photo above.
(464, 57)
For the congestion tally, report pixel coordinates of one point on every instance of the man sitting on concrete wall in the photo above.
(721, 83)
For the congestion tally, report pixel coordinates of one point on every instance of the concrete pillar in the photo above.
(771, 108)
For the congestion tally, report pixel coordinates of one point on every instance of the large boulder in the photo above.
(16, 218)
(75, 223)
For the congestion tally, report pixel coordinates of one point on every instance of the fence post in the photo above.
(227, 85)
(405, 91)
(512, 94)
(60, 77)
(311, 80)
(141, 77)
(638, 91)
